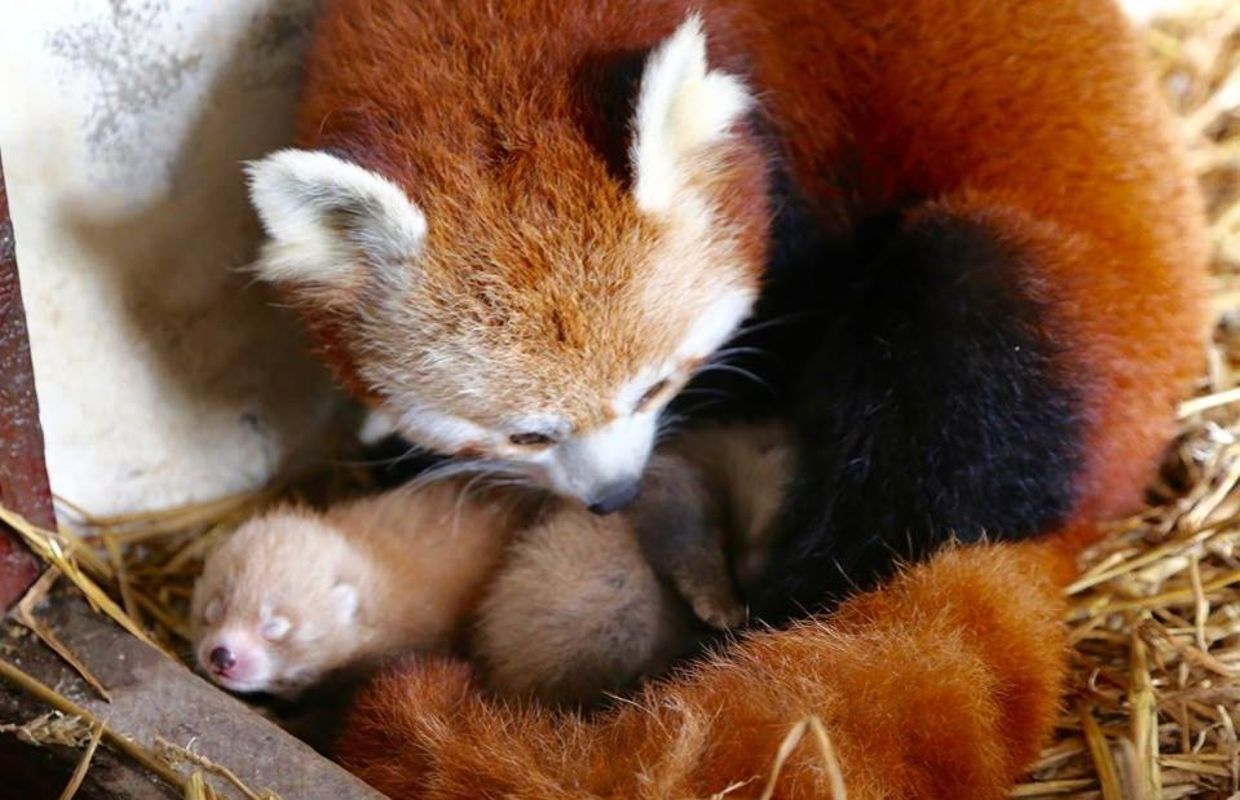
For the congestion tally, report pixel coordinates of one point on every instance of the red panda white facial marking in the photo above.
(525, 316)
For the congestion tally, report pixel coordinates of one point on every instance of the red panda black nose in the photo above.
(222, 659)
(615, 496)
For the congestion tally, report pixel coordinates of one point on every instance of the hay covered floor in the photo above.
(1154, 701)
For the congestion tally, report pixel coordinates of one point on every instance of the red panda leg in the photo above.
(944, 683)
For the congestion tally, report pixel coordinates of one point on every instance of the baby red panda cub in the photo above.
(295, 595)
(573, 605)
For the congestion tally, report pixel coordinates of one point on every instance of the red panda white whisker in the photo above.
(718, 366)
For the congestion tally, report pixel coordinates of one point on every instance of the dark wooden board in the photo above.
(155, 696)
(23, 476)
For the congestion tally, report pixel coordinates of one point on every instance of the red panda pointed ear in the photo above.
(329, 221)
(683, 107)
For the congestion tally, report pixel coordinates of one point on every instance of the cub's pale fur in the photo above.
(587, 605)
(578, 611)
(296, 595)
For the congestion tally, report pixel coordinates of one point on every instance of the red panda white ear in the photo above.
(328, 219)
(682, 107)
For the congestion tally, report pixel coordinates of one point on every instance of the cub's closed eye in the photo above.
(650, 394)
(531, 439)
(275, 628)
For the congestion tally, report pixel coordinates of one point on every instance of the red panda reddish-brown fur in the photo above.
(513, 150)
(941, 685)
(1035, 117)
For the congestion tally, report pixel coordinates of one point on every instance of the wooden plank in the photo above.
(154, 696)
(23, 475)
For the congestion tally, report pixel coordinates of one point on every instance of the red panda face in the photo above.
(531, 311)
(264, 618)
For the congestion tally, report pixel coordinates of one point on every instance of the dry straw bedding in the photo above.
(1154, 701)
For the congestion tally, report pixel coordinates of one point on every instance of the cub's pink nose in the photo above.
(222, 659)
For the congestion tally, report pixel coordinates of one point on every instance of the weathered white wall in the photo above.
(163, 377)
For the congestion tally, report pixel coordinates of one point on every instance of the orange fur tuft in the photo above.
(940, 685)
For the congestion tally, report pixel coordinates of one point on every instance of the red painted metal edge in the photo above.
(23, 473)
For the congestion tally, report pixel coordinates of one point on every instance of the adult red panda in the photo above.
(520, 227)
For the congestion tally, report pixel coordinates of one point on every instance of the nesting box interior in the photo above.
(169, 401)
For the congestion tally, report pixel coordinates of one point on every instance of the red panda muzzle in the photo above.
(615, 497)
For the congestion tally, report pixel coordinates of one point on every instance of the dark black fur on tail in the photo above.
(931, 408)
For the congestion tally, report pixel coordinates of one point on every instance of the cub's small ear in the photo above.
(330, 220)
(344, 600)
(682, 108)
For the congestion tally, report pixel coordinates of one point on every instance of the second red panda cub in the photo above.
(556, 603)
(585, 604)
